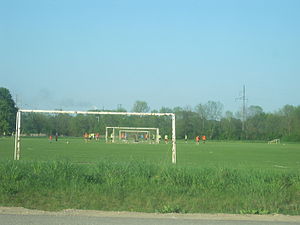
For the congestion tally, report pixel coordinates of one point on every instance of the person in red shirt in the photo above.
(203, 139)
(197, 140)
(86, 137)
(97, 136)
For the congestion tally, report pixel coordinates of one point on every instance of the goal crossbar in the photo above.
(17, 149)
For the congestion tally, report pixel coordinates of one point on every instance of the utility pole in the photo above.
(243, 98)
(244, 108)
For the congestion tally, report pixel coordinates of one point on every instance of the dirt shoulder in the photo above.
(196, 216)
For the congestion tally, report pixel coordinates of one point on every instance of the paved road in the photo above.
(88, 220)
(19, 216)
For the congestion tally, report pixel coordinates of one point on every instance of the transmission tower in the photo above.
(243, 98)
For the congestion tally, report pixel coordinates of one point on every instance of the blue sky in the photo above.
(98, 54)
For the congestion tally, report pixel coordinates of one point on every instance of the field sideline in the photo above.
(284, 156)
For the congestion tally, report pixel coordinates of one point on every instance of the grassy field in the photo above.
(284, 156)
(216, 177)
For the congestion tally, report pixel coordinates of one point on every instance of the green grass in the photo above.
(218, 177)
(223, 154)
(147, 187)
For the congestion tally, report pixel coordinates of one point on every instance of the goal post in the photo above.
(17, 149)
(110, 133)
(17, 136)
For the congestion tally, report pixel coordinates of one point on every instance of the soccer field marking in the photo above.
(278, 166)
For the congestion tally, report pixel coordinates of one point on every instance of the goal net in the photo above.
(132, 135)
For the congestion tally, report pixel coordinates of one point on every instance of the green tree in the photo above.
(254, 110)
(214, 110)
(140, 106)
(230, 127)
(290, 122)
(287, 112)
(256, 127)
(8, 112)
(256, 123)
(211, 111)
(187, 123)
(202, 111)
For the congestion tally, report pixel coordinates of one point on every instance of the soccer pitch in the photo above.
(211, 154)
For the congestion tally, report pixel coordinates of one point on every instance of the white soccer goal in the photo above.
(274, 141)
(132, 134)
(19, 114)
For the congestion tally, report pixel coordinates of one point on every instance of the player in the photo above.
(56, 136)
(86, 137)
(197, 140)
(92, 136)
(50, 138)
(153, 138)
(203, 139)
(185, 138)
(111, 137)
(159, 138)
(166, 139)
(97, 136)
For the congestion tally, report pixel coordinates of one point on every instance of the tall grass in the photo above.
(147, 187)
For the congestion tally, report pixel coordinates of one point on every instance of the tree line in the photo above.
(204, 119)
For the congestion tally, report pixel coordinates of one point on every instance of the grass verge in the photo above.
(146, 187)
